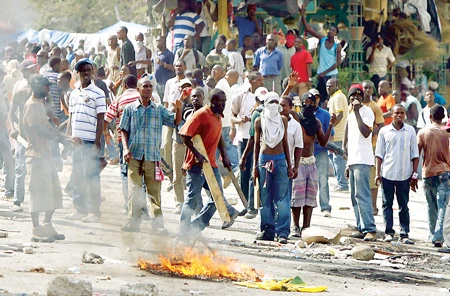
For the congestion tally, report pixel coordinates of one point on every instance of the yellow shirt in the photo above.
(338, 103)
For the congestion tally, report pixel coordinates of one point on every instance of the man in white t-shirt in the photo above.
(360, 158)
(424, 115)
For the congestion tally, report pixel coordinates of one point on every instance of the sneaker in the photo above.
(90, 218)
(296, 233)
(357, 234)
(40, 235)
(407, 241)
(131, 227)
(326, 214)
(251, 215)
(15, 208)
(388, 238)
(76, 216)
(282, 240)
(232, 201)
(340, 189)
(445, 250)
(177, 209)
(52, 232)
(437, 244)
(370, 237)
(226, 225)
(262, 236)
(226, 181)
(243, 213)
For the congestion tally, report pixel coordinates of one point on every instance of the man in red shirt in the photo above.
(206, 122)
(386, 101)
(301, 63)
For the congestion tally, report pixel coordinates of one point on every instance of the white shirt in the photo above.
(223, 85)
(360, 148)
(295, 136)
(242, 106)
(171, 92)
(381, 59)
(190, 59)
(424, 117)
(237, 63)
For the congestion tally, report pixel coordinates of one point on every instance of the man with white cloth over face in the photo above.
(272, 168)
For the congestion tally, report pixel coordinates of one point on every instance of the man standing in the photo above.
(397, 159)
(248, 25)
(194, 59)
(127, 53)
(207, 123)
(434, 143)
(216, 57)
(87, 107)
(301, 63)
(380, 59)
(338, 105)
(288, 50)
(44, 187)
(141, 127)
(242, 108)
(113, 59)
(424, 116)
(272, 169)
(269, 61)
(329, 54)
(143, 57)
(358, 147)
(164, 61)
(386, 101)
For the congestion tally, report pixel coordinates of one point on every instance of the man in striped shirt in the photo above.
(396, 162)
(184, 21)
(87, 107)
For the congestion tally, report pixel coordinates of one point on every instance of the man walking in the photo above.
(141, 127)
(397, 159)
(127, 53)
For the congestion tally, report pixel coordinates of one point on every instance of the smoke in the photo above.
(16, 14)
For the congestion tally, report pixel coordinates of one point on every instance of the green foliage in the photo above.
(85, 16)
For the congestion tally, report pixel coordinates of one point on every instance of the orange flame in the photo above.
(202, 265)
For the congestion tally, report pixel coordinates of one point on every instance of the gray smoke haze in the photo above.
(17, 14)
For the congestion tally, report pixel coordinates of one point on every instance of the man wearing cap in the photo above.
(42, 61)
(79, 54)
(127, 53)
(424, 116)
(44, 188)
(21, 93)
(360, 157)
(434, 143)
(141, 127)
(438, 98)
(242, 107)
(380, 59)
(248, 25)
(272, 169)
(396, 162)
(269, 62)
(338, 105)
(87, 107)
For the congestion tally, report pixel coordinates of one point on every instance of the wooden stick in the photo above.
(214, 188)
(238, 188)
(257, 195)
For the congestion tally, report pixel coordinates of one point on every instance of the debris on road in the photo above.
(74, 269)
(289, 285)
(39, 269)
(3, 234)
(104, 278)
(363, 253)
(91, 258)
(28, 250)
(319, 235)
(139, 290)
(64, 286)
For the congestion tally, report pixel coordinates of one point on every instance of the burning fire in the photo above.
(201, 265)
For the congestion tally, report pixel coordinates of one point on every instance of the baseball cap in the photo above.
(79, 52)
(185, 81)
(433, 85)
(38, 80)
(83, 62)
(314, 92)
(261, 93)
(307, 95)
(356, 89)
(26, 65)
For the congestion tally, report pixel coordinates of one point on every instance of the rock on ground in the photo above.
(139, 290)
(64, 286)
(363, 253)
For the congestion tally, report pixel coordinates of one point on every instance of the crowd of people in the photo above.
(256, 111)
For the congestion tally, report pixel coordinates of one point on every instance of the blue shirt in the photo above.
(327, 58)
(245, 27)
(269, 63)
(163, 74)
(144, 128)
(324, 118)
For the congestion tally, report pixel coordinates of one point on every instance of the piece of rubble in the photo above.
(345, 241)
(104, 278)
(28, 250)
(91, 258)
(3, 234)
(300, 244)
(139, 290)
(364, 253)
(64, 286)
(319, 235)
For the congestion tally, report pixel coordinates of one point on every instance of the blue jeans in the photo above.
(21, 173)
(274, 198)
(246, 176)
(123, 173)
(8, 162)
(401, 190)
(339, 164)
(437, 192)
(195, 181)
(231, 152)
(322, 162)
(361, 197)
(86, 173)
